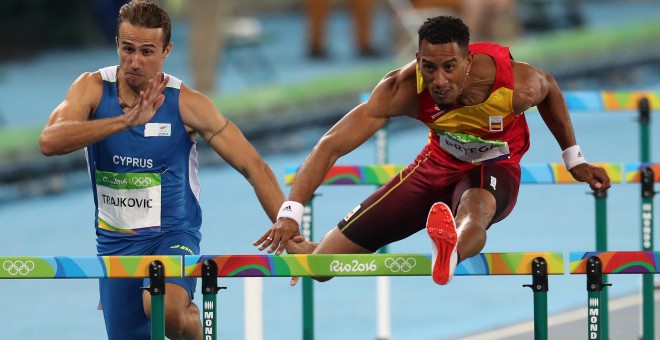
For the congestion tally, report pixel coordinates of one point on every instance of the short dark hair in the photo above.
(445, 29)
(146, 14)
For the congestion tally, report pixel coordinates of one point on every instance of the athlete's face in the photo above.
(443, 68)
(141, 54)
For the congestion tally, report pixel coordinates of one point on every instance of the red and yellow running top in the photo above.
(487, 132)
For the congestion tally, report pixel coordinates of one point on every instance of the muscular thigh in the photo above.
(122, 299)
(501, 180)
(179, 243)
(393, 212)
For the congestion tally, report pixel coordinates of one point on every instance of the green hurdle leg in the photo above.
(157, 291)
(540, 288)
(308, 282)
(601, 245)
(648, 300)
(209, 292)
(596, 323)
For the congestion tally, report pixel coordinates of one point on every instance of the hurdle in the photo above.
(537, 264)
(156, 268)
(595, 265)
(209, 267)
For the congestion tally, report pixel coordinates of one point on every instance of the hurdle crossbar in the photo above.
(531, 173)
(599, 101)
(514, 263)
(89, 267)
(609, 100)
(303, 265)
(617, 262)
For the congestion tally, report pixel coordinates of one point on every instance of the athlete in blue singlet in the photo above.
(138, 127)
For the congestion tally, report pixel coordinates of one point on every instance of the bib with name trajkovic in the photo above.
(128, 201)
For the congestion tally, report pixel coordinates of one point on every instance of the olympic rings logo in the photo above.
(18, 267)
(400, 264)
(141, 181)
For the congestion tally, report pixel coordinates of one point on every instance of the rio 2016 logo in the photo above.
(354, 266)
(394, 264)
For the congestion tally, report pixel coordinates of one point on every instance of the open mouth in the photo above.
(442, 93)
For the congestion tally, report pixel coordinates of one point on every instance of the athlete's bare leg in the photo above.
(474, 214)
(182, 319)
(334, 242)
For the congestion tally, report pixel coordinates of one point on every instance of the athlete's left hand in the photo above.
(596, 177)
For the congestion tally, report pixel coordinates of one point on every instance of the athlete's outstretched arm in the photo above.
(201, 116)
(69, 127)
(535, 87)
(390, 98)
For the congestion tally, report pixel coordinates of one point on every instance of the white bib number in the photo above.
(128, 201)
(473, 149)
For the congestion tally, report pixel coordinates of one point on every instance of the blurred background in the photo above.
(284, 71)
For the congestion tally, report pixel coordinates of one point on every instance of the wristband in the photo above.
(572, 157)
(292, 210)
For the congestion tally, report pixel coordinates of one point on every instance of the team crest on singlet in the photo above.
(496, 123)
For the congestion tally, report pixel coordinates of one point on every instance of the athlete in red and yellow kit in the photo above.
(473, 98)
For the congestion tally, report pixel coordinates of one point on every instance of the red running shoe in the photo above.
(442, 229)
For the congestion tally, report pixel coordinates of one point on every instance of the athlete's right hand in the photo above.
(150, 101)
(277, 237)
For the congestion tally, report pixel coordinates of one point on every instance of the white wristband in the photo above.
(292, 210)
(572, 157)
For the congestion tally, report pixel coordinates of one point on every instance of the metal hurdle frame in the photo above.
(156, 268)
(539, 265)
(209, 267)
(595, 265)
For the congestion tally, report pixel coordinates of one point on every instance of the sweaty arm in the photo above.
(201, 116)
(387, 100)
(69, 127)
(346, 135)
(534, 87)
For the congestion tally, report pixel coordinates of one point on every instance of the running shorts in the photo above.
(400, 208)
(121, 299)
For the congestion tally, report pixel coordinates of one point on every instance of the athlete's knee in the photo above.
(471, 240)
(182, 323)
(322, 278)
(474, 218)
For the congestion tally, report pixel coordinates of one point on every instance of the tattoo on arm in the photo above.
(219, 131)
